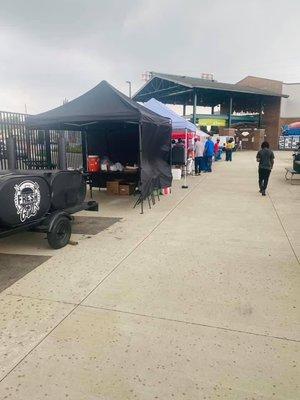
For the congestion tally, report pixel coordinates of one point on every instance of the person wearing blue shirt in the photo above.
(208, 153)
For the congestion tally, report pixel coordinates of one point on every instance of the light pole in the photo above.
(129, 87)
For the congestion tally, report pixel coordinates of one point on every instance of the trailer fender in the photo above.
(54, 217)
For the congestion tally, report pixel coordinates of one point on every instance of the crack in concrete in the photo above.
(283, 228)
(192, 323)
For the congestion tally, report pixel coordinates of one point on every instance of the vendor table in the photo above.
(99, 179)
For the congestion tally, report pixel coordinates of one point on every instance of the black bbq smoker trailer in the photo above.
(41, 200)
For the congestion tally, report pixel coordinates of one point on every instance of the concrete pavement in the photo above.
(196, 299)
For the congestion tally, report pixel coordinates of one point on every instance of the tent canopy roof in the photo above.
(178, 122)
(100, 104)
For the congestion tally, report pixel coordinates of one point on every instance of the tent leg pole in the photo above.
(194, 106)
(185, 186)
(91, 189)
(140, 167)
(153, 198)
(139, 200)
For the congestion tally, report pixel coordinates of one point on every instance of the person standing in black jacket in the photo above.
(265, 158)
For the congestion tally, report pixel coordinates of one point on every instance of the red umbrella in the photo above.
(294, 125)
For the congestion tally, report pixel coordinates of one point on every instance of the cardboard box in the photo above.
(112, 187)
(126, 189)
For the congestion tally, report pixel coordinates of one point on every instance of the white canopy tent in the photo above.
(178, 123)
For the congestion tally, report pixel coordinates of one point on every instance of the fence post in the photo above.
(62, 155)
(84, 149)
(48, 149)
(11, 152)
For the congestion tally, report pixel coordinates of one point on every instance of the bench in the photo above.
(290, 174)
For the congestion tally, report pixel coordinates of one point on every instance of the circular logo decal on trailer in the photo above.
(27, 199)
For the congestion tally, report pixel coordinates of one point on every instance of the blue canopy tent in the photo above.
(178, 122)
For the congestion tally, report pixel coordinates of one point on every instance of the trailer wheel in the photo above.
(60, 233)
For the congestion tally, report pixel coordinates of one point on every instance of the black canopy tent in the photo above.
(112, 122)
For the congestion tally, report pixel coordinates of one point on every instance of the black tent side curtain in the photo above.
(103, 106)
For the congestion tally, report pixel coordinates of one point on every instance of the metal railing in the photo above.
(36, 149)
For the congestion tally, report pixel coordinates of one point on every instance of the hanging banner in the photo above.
(212, 122)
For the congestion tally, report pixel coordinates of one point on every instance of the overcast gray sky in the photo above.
(61, 48)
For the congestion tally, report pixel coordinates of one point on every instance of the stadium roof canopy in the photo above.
(185, 90)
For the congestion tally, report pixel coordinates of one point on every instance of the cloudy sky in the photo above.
(54, 49)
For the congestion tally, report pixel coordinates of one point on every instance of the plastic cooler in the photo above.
(93, 163)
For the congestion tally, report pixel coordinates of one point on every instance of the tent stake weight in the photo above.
(185, 185)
